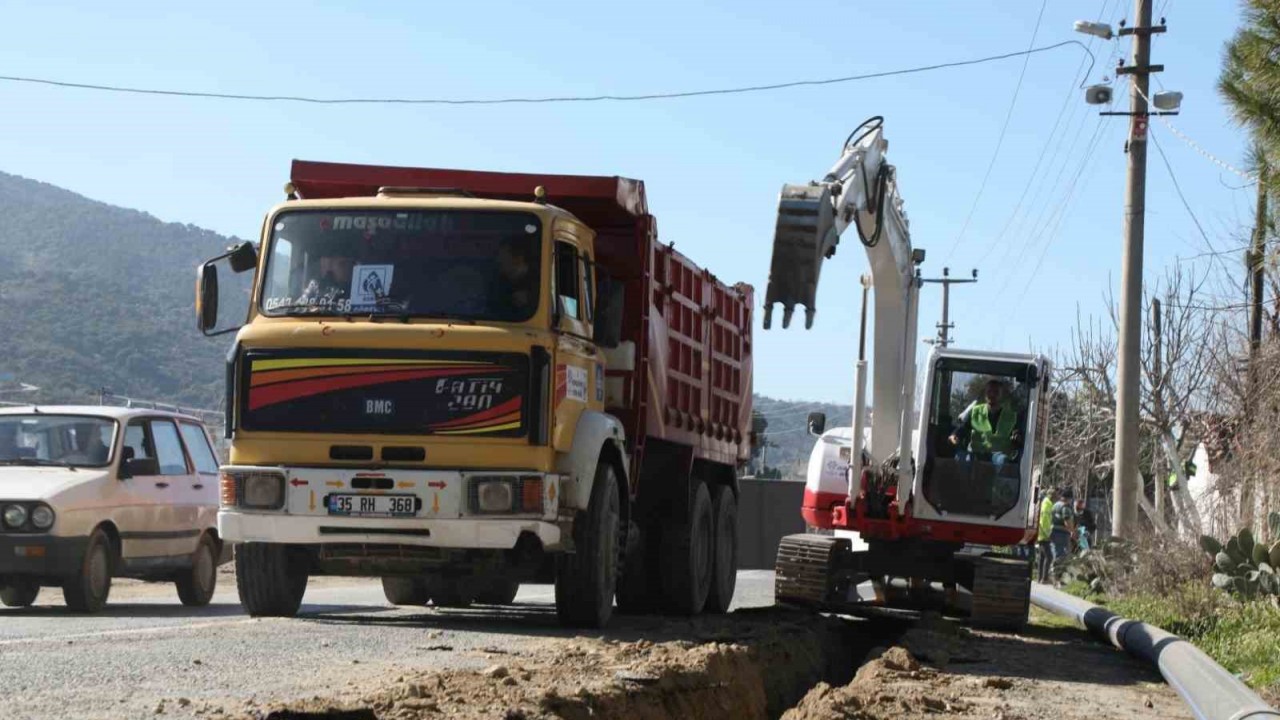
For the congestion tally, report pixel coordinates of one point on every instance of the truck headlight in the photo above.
(262, 491)
(42, 517)
(492, 495)
(252, 489)
(15, 516)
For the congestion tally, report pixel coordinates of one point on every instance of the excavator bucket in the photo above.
(804, 237)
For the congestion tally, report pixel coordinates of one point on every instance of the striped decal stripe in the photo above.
(272, 394)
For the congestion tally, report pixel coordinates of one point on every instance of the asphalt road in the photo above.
(148, 656)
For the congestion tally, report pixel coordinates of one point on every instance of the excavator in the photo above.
(932, 493)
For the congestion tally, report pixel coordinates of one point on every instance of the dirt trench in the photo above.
(770, 663)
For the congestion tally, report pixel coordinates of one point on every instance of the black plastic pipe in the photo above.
(1208, 689)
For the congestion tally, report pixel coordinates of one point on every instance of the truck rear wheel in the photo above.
(270, 578)
(586, 579)
(724, 566)
(687, 556)
(405, 591)
(19, 593)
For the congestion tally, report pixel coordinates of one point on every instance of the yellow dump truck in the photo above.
(459, 381)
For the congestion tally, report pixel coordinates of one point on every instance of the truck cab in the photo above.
(419, 390)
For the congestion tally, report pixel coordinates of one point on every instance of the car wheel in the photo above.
(405, 591)
(19, 593)
(196, 586)
(87, 590)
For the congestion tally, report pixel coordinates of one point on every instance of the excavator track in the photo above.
(806, 571)
(1001, 592)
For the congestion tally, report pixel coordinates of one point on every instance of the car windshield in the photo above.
(453, 264)
(70, 440)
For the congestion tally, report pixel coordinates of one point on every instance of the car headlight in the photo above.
(42, 517)
(15, 516)
(492, 495)
(262, 491)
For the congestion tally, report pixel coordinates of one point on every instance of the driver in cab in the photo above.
(990, 427)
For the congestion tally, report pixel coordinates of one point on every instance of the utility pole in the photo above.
(1257, 256)
(946, 281)
(1127, 483)
(1157, 390)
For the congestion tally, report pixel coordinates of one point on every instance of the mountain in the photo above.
(789, 443)
(94, 296)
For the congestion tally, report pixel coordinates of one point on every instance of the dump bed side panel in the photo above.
(693, 371)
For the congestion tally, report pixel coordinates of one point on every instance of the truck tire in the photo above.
(196, 586)
(19, 593)
(687, 563)
(724, 566)
(87, 590)
(498, 591)
(270, 579)
(405, 591)
(586, 579)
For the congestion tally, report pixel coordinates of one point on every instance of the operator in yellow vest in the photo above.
(992, 427)
(1044, 553)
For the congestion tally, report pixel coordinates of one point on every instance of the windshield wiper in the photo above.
(300, 309)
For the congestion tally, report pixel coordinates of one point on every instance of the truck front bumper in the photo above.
(485, 533)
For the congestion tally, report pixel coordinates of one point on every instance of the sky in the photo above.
(1045, 232)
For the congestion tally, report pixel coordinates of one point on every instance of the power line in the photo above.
(539, 100)
(1176, 186)
(1008, 116)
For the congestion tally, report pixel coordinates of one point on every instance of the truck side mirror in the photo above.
(243, 257)
(207, 297)
(817, 423)
(607, 331)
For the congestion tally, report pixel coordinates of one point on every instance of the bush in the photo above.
(1246, 567)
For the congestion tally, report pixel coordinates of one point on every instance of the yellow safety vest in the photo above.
(986, 440)
(1046, 519)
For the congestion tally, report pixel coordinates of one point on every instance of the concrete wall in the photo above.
(767, 510)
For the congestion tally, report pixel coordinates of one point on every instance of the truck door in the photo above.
(579, 371)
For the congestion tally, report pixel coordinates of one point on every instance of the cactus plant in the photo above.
(1245, 566)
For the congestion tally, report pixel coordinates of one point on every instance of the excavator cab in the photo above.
(979, 441)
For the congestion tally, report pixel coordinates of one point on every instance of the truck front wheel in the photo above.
(270, 578)
(586, 578)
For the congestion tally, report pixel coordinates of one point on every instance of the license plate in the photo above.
(373, 505)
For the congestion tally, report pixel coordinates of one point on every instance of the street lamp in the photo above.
(1096, 29)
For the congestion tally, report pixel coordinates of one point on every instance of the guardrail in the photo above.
(1208, 689)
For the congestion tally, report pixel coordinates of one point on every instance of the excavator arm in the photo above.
(860, 190)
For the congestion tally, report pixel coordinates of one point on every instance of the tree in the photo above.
(1250, 78)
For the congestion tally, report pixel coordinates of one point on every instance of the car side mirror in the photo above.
(139, 467)
(207, 297)
(607, 331)
(817, 423)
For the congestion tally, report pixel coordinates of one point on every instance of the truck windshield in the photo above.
(71, 440)
(453, 264)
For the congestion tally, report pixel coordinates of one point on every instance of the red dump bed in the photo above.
(691, 381)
